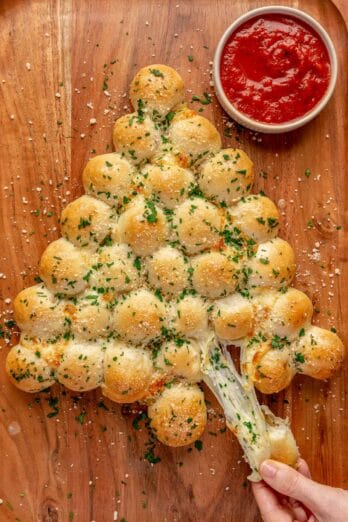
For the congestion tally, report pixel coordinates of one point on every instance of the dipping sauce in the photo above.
(275, 68)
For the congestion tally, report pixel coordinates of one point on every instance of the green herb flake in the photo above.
(157, 73)
(137, 263)
(170, 116)
(198, 445)
(158, 294)
(53, 403)
(299, 357)
(279, 342)
(150, 456)
(84, 223)
(81, 417)
(204, 100)
(150, 211)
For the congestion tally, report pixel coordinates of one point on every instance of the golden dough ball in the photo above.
(191, 318)
(318, 352)
(159, 87)
(257, 217)
(86, 222)
(49, 349)
(81, 368)
(170, 183)
(143, 226)
(115, 270)
(283, 446)
(194, 137)
(215, 274)
(181, 358)
(136, 137)
(63, 268)
(139, 317)
(38, 313)
(90, 316)
(272, 366)
(292, 311)
(282, 442)
(273, 264)
(128, 373)
(178, 416)
(198, 225)
(232, 317)
(227, 176)
(28, 370)
(108, 177)
(166, 157)
(167, 271)
(263, 300)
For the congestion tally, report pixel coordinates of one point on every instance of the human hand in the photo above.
(287, 495)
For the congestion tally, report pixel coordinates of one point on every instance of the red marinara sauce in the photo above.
(275, 68)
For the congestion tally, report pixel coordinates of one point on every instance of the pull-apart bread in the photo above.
(165, 261)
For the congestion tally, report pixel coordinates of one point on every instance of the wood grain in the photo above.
(55, 468)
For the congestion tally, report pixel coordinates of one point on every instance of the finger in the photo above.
(302, 467)
(302, 511)
(291, 483)
(298, 510)
(269, 506)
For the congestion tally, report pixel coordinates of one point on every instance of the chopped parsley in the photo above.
(150, 455)
(204, 100)
(170, 116)
(158, 294)
(264, 260)
(299, 357)
(194, 190)
(157, 73)
(81, 417)
(272, 222)
(84, 223)
(198, 445)
(249, 426)
(137, 263)
(150, 211)
(141, 113)
(279, 342)
(107, 241)
(53, 403)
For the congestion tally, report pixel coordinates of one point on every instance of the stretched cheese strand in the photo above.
(261, 434)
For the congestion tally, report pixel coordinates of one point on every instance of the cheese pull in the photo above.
(261, 434)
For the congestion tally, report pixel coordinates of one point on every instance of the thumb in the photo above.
(289, 482)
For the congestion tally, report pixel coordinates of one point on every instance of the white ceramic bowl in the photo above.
(243, 119)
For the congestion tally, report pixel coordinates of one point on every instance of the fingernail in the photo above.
(268, 469)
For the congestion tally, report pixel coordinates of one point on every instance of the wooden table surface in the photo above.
(56, 57)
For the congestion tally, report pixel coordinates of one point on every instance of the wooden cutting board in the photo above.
(67, 457)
